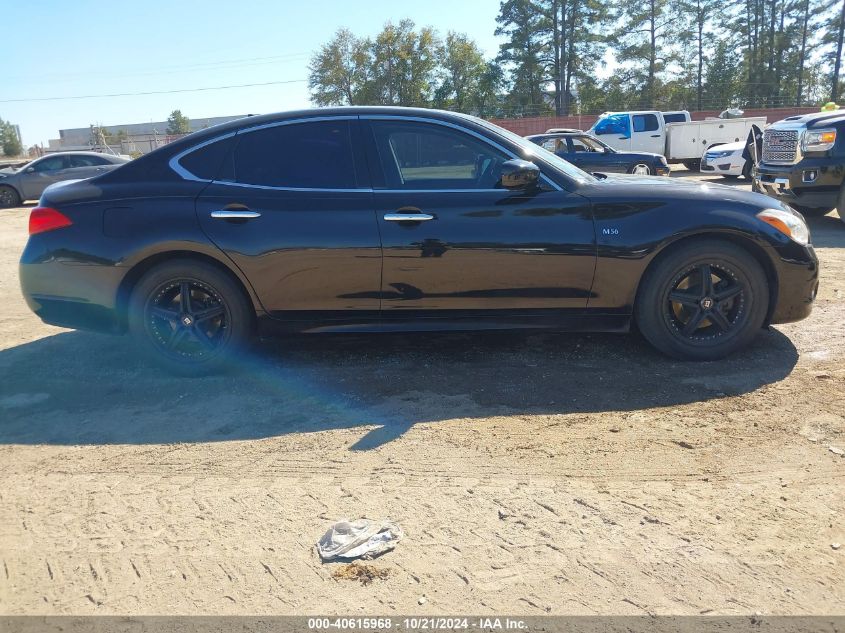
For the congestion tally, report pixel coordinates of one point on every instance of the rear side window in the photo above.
(645, 123)
(86, 161)
(674, 118)
(212, 161)
(314, 155)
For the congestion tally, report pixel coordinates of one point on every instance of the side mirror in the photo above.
(29, 170)
(519, 174)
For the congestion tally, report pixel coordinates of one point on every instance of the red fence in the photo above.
(537, 125)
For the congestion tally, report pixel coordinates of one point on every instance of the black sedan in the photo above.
(592, 155)
(392, 219)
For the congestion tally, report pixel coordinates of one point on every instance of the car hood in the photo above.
(677, 189)
(727, 147)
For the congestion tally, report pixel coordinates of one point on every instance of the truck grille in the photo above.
(780, 146)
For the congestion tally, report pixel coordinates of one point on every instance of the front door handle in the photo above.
(655, 136)
(408, 217)
(235, 214)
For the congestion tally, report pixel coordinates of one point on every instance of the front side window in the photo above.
(618, 124)
(53, 163)
(645, 123)
(306, 155)
(430, 156)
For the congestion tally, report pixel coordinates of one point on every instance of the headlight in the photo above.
(818, 140)
(789, 223)
(717, 154)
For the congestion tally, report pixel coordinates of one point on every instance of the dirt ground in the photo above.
(531, 473)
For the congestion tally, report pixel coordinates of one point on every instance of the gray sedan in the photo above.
(29, 182)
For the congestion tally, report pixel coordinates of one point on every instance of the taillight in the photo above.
(43, 219)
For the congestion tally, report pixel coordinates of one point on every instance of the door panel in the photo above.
(474, 249)
(486, 251)
(296, 215)
(310, 255)
(647, 133)
(47, 171)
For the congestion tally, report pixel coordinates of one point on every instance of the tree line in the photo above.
(691, 54)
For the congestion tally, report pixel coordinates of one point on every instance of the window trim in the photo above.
(175, 165)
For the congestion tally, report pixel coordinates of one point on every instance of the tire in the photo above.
(641, 169)
(205, 336)
(693, 165)
(9, 197)
(688, 329)
(813, 212)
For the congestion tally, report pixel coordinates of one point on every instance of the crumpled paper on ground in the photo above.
(358, 539)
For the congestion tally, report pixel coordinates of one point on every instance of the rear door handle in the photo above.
(235, 214)
(408, 217)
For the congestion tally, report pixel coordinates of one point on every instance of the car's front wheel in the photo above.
(641, 169)
(9, 197)
(190, 316)
(703, 301)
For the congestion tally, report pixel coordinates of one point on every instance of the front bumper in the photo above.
(812, 182)
(797, 269)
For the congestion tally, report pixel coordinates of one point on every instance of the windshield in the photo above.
(531, 150)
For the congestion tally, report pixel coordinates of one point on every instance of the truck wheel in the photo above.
(693, 165)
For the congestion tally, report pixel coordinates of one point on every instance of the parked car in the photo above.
(29, 182)
(671, 134)
(727, 160)
(803, 162)
(590, 154)
(398, 219)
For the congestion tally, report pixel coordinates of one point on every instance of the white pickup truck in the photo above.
(673, 134)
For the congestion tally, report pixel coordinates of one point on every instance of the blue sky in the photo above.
(86, 47)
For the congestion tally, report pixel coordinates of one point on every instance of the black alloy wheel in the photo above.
(702, 300)
(705, 302)
(187, 319)
(191, 316)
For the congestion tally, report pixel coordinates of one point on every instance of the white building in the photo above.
(128, 138)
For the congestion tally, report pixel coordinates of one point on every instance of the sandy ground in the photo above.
(532, 473)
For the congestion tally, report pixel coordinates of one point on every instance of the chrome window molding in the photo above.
(186, 175)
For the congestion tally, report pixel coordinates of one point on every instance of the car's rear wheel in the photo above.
(703, 301)
(9, 197)
(190, 316)
(641, 169)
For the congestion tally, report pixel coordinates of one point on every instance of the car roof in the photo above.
(79, 153)
(560, 134)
